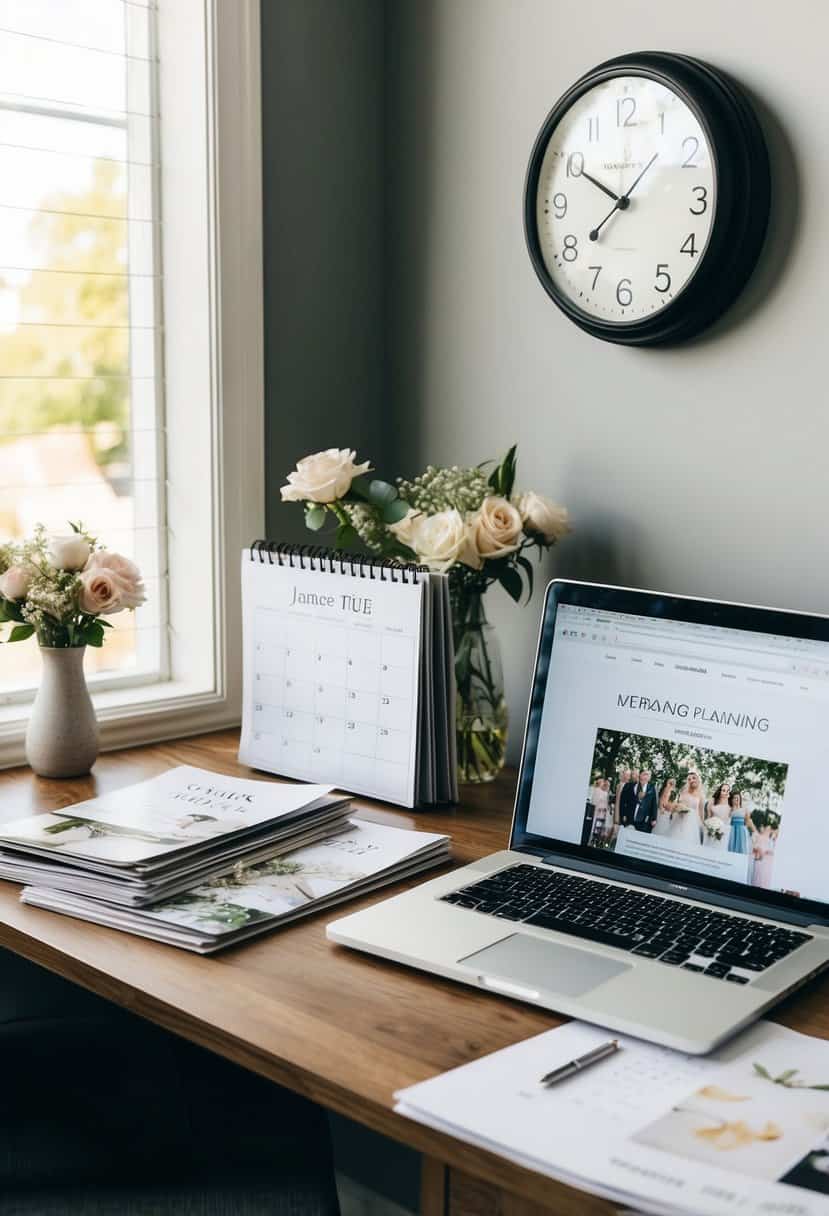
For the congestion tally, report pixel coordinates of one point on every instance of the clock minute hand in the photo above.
(631, 189)
(601, 186)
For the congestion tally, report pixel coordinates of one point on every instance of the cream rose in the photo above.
(496, 527)
(127, 586)
(15, 582)
(323, 477)
(68, 552)
(439, 539)
(542, 517)
(403, 530)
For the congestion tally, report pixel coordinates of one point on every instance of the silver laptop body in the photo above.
(669, 800)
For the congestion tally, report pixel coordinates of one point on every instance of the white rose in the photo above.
(542, 517)
(15, 582)
(323, 477)
(403, 530)
(496, 527)
(438, 540)
(68, 552)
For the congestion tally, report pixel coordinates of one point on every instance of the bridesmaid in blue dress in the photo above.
(739, 838)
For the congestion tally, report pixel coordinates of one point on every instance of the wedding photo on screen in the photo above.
(675, 804)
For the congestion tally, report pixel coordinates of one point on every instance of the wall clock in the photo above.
(647, 198)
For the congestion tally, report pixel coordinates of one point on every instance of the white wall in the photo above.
(699, 469)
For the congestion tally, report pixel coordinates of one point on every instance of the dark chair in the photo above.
(103, 1114)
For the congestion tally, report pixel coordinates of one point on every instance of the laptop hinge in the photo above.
(717, 899)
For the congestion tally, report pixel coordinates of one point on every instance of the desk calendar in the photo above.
(348, 673)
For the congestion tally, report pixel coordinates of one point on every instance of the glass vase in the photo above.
(481, 710)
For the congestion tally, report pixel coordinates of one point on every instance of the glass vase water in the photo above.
(481, 710)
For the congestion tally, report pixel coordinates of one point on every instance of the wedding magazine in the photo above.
(140, 843)
(744, 1130)
(256, 897)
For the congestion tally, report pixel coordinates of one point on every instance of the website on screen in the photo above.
(691, 746)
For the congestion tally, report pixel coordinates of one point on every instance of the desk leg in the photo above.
(450, 1192)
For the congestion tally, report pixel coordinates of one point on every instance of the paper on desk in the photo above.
(744, 1130)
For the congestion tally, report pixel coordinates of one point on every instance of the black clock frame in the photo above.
(742, 197)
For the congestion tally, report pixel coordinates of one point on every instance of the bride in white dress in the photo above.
(664, 817)
(719, 806)
(686, 827)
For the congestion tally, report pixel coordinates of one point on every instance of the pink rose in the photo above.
(109, 583)
(14, 584)
(100, 593)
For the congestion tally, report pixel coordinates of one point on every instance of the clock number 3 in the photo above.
(702, 198)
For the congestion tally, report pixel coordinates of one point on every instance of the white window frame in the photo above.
(211, 207)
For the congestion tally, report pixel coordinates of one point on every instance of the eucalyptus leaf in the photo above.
(381, 493)
(315, 516)
(394, 511)
(360, 488)
(21, 632)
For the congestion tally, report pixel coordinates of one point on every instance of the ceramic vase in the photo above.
(62, 735)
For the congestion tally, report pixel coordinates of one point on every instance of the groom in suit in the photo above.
(644, 816)
(627, 801)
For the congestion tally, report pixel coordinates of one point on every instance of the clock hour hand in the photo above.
(600, 185)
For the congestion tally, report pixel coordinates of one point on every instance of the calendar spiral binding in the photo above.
(334, 561)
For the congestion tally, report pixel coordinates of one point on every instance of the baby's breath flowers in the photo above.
(59, 588)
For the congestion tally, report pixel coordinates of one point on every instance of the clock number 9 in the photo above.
(560, 205)
(570, 251)
(624, 295)
(575, 164)
(702, 199)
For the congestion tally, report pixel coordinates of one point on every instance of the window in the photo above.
(130, 145)
(81, 404)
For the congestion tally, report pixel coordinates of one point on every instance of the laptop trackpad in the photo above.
(532, 964)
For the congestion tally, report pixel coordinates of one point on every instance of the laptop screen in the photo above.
(681, 748)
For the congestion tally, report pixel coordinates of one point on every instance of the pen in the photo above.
(574, 1066)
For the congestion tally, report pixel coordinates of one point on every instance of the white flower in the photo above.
(403, 530)
(714, 826)
(68, 552)
(496, 527)
(439, 540)
(541, 516)
(15, 582)
(121, 585)
(323, 477)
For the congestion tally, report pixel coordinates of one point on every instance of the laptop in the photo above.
(665, 874)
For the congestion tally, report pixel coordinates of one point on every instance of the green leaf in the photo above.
(315, 514)
(786, 1076)
(93, 635)
(381, 493)
(510, 580)
(21, 632)
(762, 1072)
(347, 537)
(526, 566)
(394, 511)
(508, 472)
(9, 611)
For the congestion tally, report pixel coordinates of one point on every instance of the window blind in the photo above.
(81, 405)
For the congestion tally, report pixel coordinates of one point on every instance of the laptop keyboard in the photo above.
(682, 935)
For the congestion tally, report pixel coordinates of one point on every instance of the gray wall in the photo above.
(322, 119)
(699, 469)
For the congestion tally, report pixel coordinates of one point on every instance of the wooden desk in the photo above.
(342, 1028)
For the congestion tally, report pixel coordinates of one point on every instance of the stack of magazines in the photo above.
(202, 861)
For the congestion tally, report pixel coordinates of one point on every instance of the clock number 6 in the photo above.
(662, 273)
(623, 293)
(702, 199)
(570, 251)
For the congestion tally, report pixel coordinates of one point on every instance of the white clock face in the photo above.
(626, 199)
